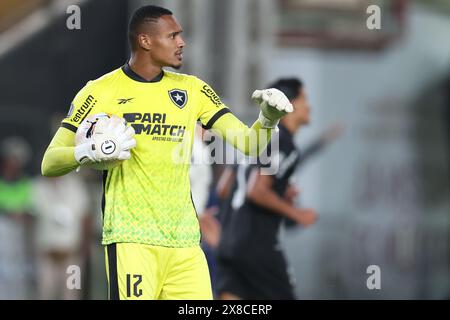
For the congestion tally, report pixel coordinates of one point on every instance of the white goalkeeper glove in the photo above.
(274, 105)
(111, 140)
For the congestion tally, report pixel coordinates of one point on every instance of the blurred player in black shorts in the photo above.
(251, 264)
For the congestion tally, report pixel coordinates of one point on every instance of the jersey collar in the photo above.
(133, 75)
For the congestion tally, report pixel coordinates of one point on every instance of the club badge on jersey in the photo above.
(178, 97)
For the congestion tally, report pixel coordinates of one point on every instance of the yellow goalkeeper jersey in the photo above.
(147, 199)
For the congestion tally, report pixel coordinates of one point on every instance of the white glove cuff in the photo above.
(83, 153)
(266, 123)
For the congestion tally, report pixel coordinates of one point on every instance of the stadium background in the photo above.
(382, 189)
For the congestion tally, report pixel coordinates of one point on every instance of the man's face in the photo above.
(166, 43)
(301, 108)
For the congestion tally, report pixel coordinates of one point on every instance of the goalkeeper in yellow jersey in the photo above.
(150, 228)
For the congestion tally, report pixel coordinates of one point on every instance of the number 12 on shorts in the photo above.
(137, 279)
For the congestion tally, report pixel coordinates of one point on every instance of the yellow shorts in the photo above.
(141, 272)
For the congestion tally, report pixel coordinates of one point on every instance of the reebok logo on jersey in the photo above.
(178, 97)
(207, 91)
(84, 110)
(123, 101)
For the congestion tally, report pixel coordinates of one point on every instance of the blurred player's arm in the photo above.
(59, 158)
(210, 227)
(225, 183)
(260, 191)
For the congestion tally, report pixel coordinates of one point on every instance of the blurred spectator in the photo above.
(15, 193)
(62, 232)
(16, 253)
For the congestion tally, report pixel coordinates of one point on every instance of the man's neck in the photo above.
(143, 66)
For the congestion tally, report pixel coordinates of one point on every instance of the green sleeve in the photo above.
(251, 141)
(215, 115)
(59, 157)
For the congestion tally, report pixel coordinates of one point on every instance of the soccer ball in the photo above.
(95, 124)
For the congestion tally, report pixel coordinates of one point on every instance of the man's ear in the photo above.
(145, 41)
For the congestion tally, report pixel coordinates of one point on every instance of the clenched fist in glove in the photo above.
(101, 142)
(274, 105)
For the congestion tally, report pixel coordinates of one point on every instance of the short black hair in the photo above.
(289, 86)
(146, 14)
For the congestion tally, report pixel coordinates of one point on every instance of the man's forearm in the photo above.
(59, 157)
(58, 161)
(251, 141)
(268, 199)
